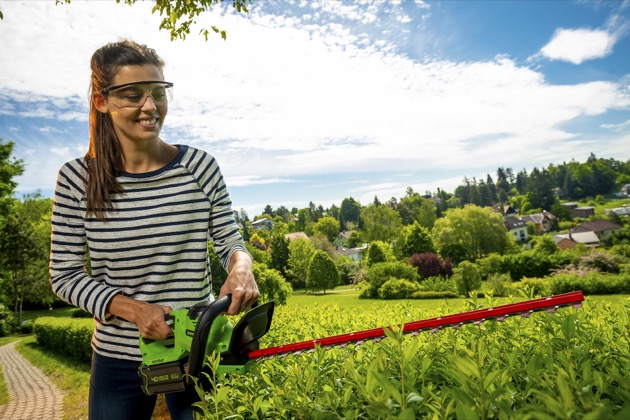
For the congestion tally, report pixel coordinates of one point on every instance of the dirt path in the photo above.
(32, 394)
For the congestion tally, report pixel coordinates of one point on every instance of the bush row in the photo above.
(70, 336)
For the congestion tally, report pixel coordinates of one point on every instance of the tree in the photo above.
(280, 254)
(380, 223)
(179, 16)
(540, 193)
(10, 167)
(416, 240)
(350, 210)
(20, 250)
(327, 226)
(377, 252)
(322, 272)
(470, 233)
(300, 252)
(271, 284)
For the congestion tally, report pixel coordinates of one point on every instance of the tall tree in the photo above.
(322, 272)
(417, 240)
(328, 227)
(470, 233)
(300, 253)
(380, 223)
(540, 192)
(280, 254)
(350, 210)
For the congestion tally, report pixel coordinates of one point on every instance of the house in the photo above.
(543, 222)
(572, 239)
(620, 211)
(262, 224)
(295, 235)
(517, 227)
(583, 212)
(602, 228)
(355, 254)
(507, 209)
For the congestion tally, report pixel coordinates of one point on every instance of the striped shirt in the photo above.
(153, 246)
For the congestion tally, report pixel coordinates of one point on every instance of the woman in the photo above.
(145, 210)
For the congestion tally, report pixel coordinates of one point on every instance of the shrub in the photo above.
(592, 283)
(397, 289)
(80, 313)
(69, 336)
(430, 265)
(438, 284)
(500, 284)
(601, 261)
(379, 273)
(467, 277)
(538, 286)
(26, 327)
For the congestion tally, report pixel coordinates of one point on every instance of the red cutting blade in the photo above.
(480, 315)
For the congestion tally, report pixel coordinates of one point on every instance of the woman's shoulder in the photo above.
(74, 167)
(195, 158)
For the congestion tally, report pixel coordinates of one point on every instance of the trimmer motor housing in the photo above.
(169, 365)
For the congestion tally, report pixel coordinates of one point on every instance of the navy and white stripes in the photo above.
(153, 246)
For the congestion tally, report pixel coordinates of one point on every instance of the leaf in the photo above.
(568, 327)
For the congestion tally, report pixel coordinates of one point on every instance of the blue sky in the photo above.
(323, 100)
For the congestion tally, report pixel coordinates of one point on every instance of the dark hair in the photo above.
(103, 158)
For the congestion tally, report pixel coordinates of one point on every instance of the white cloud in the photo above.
(579, 45)
(291, 95)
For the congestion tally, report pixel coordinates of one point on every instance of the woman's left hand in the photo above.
(240, 283)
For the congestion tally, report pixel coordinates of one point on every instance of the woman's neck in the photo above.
(147, 156)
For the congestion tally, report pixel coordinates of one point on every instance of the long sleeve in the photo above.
(223, 229)
(69, 278)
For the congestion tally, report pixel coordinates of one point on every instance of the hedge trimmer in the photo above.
(168, 365)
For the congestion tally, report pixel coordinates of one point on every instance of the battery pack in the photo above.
(162, 378)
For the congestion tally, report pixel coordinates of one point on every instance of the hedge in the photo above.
(70, 336)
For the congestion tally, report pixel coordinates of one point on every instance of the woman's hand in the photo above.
(240, 283)
(147, 316)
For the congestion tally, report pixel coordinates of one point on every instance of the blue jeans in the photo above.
(116, 393)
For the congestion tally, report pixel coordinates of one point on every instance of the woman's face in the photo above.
(138, 110)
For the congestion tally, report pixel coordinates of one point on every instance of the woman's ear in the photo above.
(99, 102)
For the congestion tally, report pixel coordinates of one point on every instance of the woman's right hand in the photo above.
(147, 316)
(151, 323)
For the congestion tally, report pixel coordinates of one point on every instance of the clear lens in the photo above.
(136, 95)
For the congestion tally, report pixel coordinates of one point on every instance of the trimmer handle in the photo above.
(200, 339)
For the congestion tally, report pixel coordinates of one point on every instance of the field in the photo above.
(571, 364)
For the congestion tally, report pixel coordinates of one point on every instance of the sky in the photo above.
(317, 101)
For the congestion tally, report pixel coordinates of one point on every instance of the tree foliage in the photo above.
(380, 223)
(300, 253)
(322, 272)
(470, 233)
(271, 284)
(178, 17)
(431, 265)
(279, 254)
(327, 226)
(416, 239)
